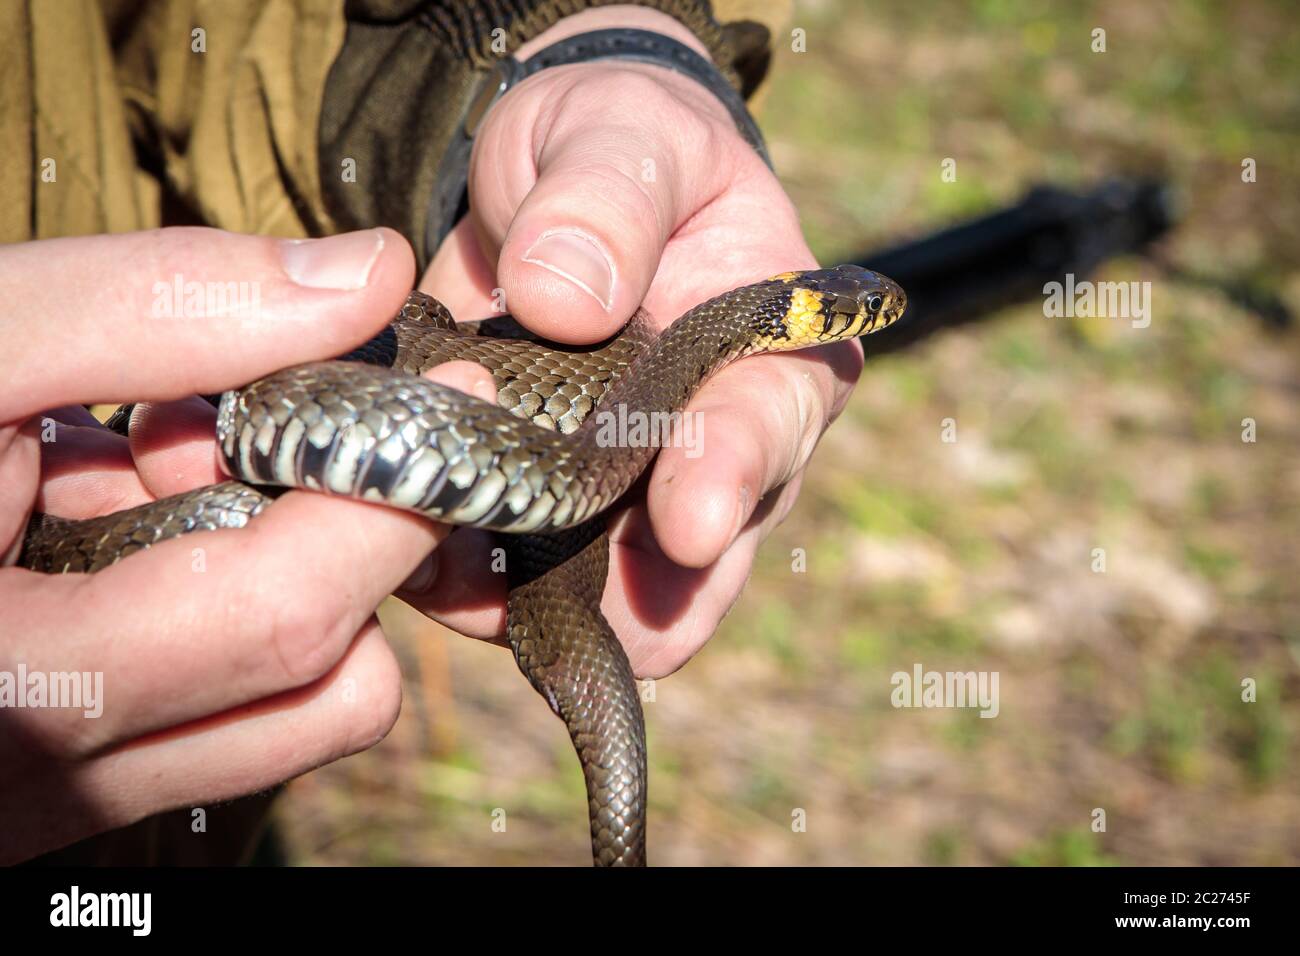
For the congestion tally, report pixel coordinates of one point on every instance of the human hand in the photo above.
(597, 188)
(231, 668)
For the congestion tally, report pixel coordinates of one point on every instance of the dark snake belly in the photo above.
(368, 427)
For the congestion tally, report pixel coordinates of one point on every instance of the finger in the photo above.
(20, 461)
(462, 585)
(473, 379)
(154, 315)
(212, 620)
(468, 591)
(577, 224)
(759, 422)
(277, 611)
(664, 612)
(461, 278)
(219, 758)
(173, 447)
(85, 471)
(468, 377)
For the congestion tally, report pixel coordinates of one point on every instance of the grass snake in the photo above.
(368, 427)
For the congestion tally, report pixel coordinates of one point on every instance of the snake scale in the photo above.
(534, 467)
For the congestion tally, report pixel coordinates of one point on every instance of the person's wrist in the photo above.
(630, 34)
(639, 18)
(591, 77)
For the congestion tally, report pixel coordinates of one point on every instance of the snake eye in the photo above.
(875, 302)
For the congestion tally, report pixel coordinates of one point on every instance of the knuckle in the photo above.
(158, 255)
(69, 740)
(174, 248)
(305, 638)
(617, 184)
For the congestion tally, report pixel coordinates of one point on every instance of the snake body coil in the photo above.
(536, 466)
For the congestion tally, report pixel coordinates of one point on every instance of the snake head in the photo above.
(826, 305)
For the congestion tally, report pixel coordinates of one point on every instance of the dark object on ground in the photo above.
(966, 272)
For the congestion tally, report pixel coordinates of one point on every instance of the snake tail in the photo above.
(569, 653)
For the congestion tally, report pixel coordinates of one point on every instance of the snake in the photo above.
(540, 466)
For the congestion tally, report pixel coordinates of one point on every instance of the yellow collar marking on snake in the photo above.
(806, 317)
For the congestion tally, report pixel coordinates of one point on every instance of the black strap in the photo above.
(450, 200)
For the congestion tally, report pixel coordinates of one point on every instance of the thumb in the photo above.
(581, 223)
(173, 312)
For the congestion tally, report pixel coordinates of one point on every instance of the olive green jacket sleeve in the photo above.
(277, 117)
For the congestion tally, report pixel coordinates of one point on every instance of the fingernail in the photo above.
(421, 579)
(335, 262)
(577, 258)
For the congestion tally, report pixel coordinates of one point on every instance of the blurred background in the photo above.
(1119, 690)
